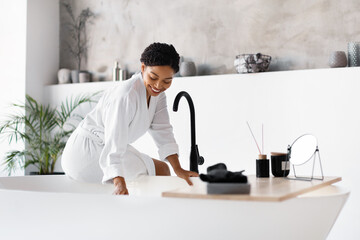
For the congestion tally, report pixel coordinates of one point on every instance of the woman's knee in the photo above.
(161, 168)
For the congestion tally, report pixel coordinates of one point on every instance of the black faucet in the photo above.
(195, 158)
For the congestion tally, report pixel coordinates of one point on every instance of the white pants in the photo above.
(80, 158)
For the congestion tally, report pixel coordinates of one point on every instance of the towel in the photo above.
(218, 173)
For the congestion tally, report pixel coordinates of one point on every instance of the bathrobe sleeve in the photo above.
(162, 131)
(117, 117)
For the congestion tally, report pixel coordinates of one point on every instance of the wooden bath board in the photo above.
(262, 189)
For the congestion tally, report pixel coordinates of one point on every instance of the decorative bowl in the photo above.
(252, 63)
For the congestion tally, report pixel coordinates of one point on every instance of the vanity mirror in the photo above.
(303, 150)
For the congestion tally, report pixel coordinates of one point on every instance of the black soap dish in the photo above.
(228, 188)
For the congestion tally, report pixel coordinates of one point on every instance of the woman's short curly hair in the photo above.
(161, 54)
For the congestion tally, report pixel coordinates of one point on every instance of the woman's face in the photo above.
(156, 79)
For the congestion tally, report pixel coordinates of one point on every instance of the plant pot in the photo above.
(75, 76)
(54, 173)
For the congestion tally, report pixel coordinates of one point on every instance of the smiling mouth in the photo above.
(154, 90)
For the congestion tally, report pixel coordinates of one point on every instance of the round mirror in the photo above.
(302, 149)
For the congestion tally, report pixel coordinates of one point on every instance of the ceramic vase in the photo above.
(75, 76)
(178, 72)
(354, 54)
(64, 76)
(337, 59)
(187, 69)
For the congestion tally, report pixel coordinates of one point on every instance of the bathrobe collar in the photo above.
(143, 91)
(153, 100)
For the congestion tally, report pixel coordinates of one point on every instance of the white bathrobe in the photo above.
(101, 141)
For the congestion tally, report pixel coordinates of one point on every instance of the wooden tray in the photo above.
(262, 189)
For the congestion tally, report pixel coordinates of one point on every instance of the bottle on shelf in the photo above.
(118, 73)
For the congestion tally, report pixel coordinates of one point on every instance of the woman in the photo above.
(99, 149)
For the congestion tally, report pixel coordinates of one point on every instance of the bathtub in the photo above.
(56, 207)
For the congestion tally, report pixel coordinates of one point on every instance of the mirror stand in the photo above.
(303, 178)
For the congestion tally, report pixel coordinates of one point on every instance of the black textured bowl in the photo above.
(251, 63)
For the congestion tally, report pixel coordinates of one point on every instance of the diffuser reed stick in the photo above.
(262, 163)
(253, 137)
(262, 137)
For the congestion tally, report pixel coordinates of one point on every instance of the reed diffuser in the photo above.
(262, 163)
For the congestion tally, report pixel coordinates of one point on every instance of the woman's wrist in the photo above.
(120, 186)
(174, 161)
(178, 169)
(119, 180)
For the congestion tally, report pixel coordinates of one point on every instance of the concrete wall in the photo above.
(297, 34)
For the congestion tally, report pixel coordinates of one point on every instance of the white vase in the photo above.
(64, 76)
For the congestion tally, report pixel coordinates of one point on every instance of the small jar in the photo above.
(280, 165)
(84, 76)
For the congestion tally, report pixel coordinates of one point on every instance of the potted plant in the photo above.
(78, 44)
(44, 129)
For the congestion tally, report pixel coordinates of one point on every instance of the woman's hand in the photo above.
(120, 186)
(184, 174)
(181, 173)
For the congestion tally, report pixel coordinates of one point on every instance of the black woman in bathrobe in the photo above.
(99, 150)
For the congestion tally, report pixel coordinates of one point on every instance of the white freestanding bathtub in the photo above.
(56, 207)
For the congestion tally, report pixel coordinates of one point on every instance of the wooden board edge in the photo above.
(228, 197)
(298, 193)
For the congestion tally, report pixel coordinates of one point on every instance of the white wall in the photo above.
(12, 63)
(323, 102)
(29, 54)
(42, 44)
(42, 41)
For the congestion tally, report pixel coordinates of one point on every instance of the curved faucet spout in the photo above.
(195, 158)
(192, 112)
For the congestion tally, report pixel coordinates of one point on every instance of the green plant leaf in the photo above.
(14, 160)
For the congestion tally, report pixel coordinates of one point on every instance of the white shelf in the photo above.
(90, 85)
